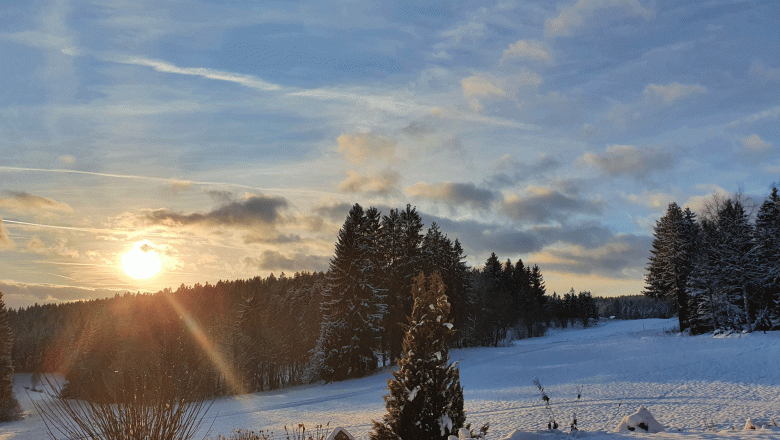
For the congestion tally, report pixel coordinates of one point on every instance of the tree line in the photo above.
(267, 333)
(720, 272)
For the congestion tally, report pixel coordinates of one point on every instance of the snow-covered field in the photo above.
(687, 384)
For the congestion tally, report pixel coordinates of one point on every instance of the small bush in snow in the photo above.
(551, 423)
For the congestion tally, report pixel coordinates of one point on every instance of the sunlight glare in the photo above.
(142, 261)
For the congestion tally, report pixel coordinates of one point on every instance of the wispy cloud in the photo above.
(384, 183)
(361, 147)
(254, 210)
(533, 50)
(541, 205)
(23, 202)
(572, 18)
(454, 194)
(5, 241)
(629, 160)
(219, 75)
(274, 260)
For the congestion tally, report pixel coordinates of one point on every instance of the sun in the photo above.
(141, 262)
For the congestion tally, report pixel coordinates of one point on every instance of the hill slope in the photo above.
(685, 382)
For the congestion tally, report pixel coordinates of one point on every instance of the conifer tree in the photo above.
(9, 406)
(734, 249)
(767, 250)
(671, 260)
(704, 298)
(401, 240)
(426, 399)
(347, 336)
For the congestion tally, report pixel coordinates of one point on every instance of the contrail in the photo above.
(69, 228)
(167, 180)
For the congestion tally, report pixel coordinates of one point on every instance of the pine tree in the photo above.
(347, 336)
(9, 406)
(426, 399)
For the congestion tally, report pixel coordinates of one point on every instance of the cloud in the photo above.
(61, 247)
(623, 256)
(479, 88)
(481, 237)
(588, 235)
(577, 16)
(655, 103)
(761, 71)
(36, 245)
(628, 160)
(336, 212)
(16, 294)
(382, 184)
(458, 194)
(271, 239)
(273, 260)
(753, 144)
(768, 114)
(699, 203)
(672, 92)
(177, 186)
(254, 210)
(657, 200)
(220, 75)
(360, 147)
(476, 87)
(5, 239)
(220, 196)
(528, 49)
(23, 202)
(511, 171)
(544, 204)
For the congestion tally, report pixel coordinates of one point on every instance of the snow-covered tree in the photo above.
(426, 399)
(348, 333)
(737, 262)
(672, 257)
(401, 241)
(767, 257)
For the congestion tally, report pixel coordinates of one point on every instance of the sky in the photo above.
(232, 137)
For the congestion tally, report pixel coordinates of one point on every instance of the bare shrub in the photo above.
(137, 406)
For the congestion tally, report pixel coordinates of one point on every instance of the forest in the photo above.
(266, 333)
(721, 272)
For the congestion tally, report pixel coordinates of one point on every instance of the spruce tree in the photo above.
(671, 260)
(767, 251)
(347, 338)
(426, 399)
(737, 263)
(9, 406)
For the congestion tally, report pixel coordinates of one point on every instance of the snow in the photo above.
(641, 419)
(445, 423)
(697, 388)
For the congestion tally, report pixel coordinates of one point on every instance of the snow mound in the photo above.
(640, 421)
(463, 434)
(340, 434)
